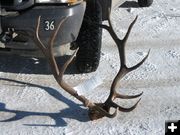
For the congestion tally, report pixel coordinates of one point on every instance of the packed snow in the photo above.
(31, 96)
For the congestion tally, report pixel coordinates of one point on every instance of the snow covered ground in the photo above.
(41, 107)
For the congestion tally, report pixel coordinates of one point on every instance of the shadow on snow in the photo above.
(74, 111)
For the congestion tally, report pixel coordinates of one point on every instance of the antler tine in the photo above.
(140, 63)
(117, 95)
(114, 105)
(108, 28)
(111, 29)
(51, 41)
(122, 43)
(39, 42)
(129, 30)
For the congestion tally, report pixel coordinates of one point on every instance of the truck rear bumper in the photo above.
(24, 25)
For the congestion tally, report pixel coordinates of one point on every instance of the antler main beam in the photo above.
(96, 110)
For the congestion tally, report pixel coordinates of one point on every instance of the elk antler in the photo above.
(96, 110)
(121, 73)
(59, 72)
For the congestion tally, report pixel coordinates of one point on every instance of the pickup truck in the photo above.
(18, 22)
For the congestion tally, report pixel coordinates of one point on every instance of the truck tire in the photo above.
(145, 3)
(89, 39)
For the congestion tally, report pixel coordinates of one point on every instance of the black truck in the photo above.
(18, 22)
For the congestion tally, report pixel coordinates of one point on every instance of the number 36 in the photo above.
(49, 25)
